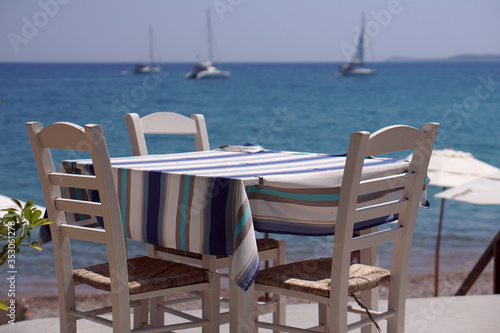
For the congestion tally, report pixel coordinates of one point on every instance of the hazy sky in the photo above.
(244, 30)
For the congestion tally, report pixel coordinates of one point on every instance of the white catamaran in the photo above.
(356, 67)
(207, 70)
(151, 67)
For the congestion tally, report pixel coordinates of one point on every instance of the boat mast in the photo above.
(359, 56)
(209, 29)
(151, 47)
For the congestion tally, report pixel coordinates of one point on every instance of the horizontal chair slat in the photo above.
(91, 317)
(79, 207)
(385, 209)
(82, 233)
(367, 321)
(285, 328)
(386, 183)
(377, 238)
(72, 180)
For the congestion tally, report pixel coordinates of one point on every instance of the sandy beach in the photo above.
(420, 285)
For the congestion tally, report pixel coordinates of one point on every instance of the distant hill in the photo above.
(475, 57)
(457, 58)
(401, 59)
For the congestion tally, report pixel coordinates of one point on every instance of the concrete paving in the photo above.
(423, 315)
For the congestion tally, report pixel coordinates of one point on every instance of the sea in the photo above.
(280, 106)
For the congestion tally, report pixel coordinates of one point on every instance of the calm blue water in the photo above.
(300, 107)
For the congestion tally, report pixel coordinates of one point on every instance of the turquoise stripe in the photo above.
(296, 196)
(123, 204)
(241, 223)
(183, 213)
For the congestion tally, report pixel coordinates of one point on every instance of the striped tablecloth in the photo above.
(210, 202)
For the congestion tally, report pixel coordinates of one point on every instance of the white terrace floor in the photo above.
(424, 315)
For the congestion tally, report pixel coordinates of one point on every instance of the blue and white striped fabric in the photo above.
(207, 202)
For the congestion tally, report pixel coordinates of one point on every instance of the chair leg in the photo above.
(397, 302)
(65, 282)
(369, 298)
(281, 259)
(322, 315)
(141, 314)
(337, 313)
(279, 316)
(157, 317)
(120, 302)
(121, 317)
(211, 304)
(67, 321)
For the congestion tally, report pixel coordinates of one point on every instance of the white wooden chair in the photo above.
(132, 282)
(330, 281)
(173, 123)
(165, 123)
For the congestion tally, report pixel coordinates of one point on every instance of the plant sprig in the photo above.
(15, 226)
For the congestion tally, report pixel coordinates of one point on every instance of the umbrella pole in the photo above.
(438, 242)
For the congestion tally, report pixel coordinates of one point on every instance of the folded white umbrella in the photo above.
(449, 168)
(480, 191)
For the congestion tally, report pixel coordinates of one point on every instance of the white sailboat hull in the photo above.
(212, 74)
(147, 69)
(206, 70)
(357, 72)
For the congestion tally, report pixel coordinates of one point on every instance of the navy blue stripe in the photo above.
(217, 199)
(144, 212)
(161, 210)
(153, 206)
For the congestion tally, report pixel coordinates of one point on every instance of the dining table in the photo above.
(212, 202)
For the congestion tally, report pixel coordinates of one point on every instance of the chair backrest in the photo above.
(410, 184)
(71, 137)
(165, 123)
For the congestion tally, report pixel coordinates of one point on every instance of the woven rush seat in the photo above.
(313, 276)
(142, 278)
(262, 245)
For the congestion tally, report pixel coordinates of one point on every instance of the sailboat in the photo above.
(150, 68)
(356, 67)
(207, 70)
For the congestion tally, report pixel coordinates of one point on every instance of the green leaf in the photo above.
(3, 306)
(41, 222)
(36, 215)
(27, 213)
(18, 203)
(36, 246)
(10, 214)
